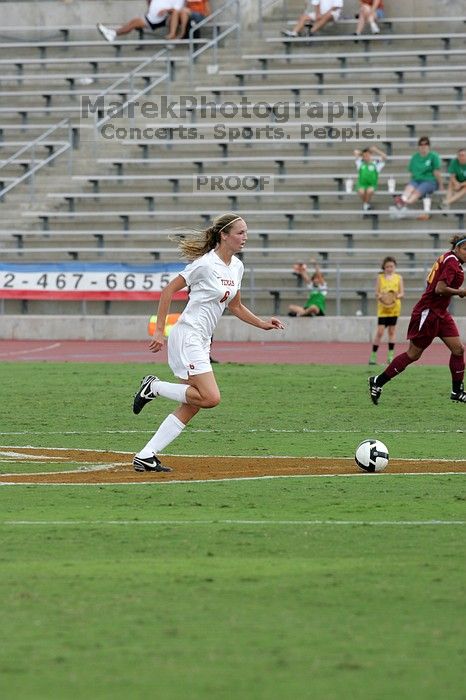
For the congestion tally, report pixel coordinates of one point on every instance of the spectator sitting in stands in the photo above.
(194, 11)
(369, 11)
(320, 12)
(457, 182)
(315, 304)
(426, 176)
(368, 173)
(157, 13)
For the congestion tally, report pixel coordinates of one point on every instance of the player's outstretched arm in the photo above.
(238, 309)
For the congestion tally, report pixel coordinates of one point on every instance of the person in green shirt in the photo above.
(369, 164)
(426, 175)
(315, 303)
(457, 182)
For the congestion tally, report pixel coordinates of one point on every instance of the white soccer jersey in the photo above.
(212, 285)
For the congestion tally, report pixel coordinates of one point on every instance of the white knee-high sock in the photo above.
(176, 392)
(167, 432)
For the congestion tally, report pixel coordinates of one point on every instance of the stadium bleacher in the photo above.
(119, 198)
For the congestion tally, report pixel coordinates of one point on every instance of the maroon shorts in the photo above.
(424, 326)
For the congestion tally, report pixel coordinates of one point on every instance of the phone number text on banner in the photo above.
(76, 280)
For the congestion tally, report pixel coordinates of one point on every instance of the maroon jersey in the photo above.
(449, 269)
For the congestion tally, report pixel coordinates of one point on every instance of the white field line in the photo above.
(306, 431)
(81, 470)
(222, 480)
(344, 523)
(206, 456)
(57, 449)
(41, 348)
(19, 456)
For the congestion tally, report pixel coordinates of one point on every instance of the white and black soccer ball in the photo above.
(371, 455)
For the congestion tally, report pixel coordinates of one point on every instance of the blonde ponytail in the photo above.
(193, 246)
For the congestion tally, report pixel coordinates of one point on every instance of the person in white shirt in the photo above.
(158, 11)
(214, 280)
(319, 12)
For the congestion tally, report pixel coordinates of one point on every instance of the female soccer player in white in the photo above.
(214, 280)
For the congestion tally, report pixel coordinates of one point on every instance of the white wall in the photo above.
(344, 329)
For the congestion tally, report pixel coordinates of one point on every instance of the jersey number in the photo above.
(225, 296)
(434, 269)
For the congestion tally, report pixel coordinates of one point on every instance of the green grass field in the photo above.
(251, 589)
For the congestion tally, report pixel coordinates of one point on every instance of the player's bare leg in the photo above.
(391, 331)
(203, 390)
(456, 364)
(398, 365)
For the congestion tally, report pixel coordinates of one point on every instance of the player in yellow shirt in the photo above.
(389, 291)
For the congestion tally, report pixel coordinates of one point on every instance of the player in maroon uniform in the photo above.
(430, 319)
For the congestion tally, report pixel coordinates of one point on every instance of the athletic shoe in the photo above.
(144, 395)
(289, 33)
(374, 390)
(107, 33)
(459, 396)
(375, 28)
(390, 356)
(149, 464)
(444, 207)
(373, 358)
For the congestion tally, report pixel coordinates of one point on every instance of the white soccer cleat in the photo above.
(107, 33)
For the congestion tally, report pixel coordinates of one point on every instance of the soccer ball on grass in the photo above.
(371, 455)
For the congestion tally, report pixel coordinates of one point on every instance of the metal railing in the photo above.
(228, 16)
(71, 140)
(162, 56)
(264, 8)
(36, 165)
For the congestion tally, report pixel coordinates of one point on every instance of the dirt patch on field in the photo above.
(100, 467)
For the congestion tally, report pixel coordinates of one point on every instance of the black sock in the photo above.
(391, 346)
(456, 385)
(382, 379)
(375, 348)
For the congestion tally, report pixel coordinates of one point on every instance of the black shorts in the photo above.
(155, 26)
(387, 320)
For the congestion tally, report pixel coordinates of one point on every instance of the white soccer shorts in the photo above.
(188, 352)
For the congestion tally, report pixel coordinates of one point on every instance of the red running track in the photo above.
(261, 353)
